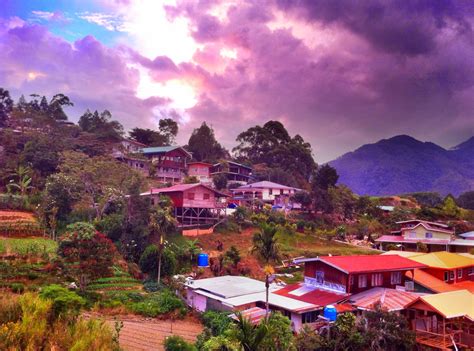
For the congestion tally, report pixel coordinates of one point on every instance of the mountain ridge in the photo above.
(403, 164)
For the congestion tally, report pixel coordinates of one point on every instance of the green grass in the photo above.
(310, 245)
(32, 246)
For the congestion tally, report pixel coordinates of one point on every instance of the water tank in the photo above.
(330, 313)
(203, 260)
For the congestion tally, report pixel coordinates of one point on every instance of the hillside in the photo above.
(403, 164)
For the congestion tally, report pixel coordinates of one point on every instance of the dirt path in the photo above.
(139, 334)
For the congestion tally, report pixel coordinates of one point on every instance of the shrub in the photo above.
(87, 252)
(33, 329)
(17, 288)
(216, 321)
(149, 261)
(159, 304)
(177, 343)
(64, 301)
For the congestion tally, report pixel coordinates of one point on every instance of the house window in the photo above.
(412, 234)
(470, 271)
(190, 196)
(428, 235)
(310, 317)
(396, 278)
(320, 277)
(270, 191)
(451, 275)
(362, 281)
(377, 279)
(351, 280)
(206, 196)
(459, 273)
(446, 276)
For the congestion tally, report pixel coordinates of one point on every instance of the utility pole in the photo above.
(269, 277)
(160, 250)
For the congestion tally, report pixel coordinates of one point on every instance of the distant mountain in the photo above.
(403, 164)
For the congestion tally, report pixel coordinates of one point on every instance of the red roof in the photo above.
(367, 263)
(180, 188)
(200, 163)
(401, 239)
(314, 296)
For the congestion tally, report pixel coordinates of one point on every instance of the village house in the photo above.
(168, 163)
(235, 293)
(443, 321)
(436, 236)
(445, 271)
(129, 152)
(202, 172)
(234, 172)
(268, 192)
(353, 274)
(193, 204)
(329, 280)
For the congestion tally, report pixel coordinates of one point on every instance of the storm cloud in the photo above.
(340, 73)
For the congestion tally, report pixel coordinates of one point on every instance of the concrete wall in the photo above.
(196, 301)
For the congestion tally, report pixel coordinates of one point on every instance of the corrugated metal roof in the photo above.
(163, 149)
(467, 235)
(254, 315)
(407, 254)
(310, 295)
(401, 239)
(452, 304)
(266, 185)
(390, 299)
(179, 188)
(443, 259)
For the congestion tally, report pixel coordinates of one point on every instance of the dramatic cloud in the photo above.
(92, 75)
(339, 73)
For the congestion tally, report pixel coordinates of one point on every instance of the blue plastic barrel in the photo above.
(203, 260)
(330, 313)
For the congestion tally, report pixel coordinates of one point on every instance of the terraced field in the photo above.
(148, 335)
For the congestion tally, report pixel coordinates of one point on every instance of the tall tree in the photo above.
(6, 106)
(101, 124)
(148, 137)
(273, 146)
(204, 146)
(56, 106)
(326, 177)
(168, 129)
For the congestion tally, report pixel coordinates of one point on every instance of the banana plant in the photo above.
(21, 180)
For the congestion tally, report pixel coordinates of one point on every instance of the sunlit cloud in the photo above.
(34, 75)
(109, 22)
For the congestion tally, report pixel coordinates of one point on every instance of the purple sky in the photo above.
(340, 73)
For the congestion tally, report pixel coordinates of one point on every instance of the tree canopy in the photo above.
(101, 124)
(204, 146)
(272, 145)
(165, 135)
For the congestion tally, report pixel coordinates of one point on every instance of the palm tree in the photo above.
(23, 183)
(265, 242)
(161, 222)
(248, 335)
(192, 248)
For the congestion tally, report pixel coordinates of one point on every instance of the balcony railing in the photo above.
(325, 285)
